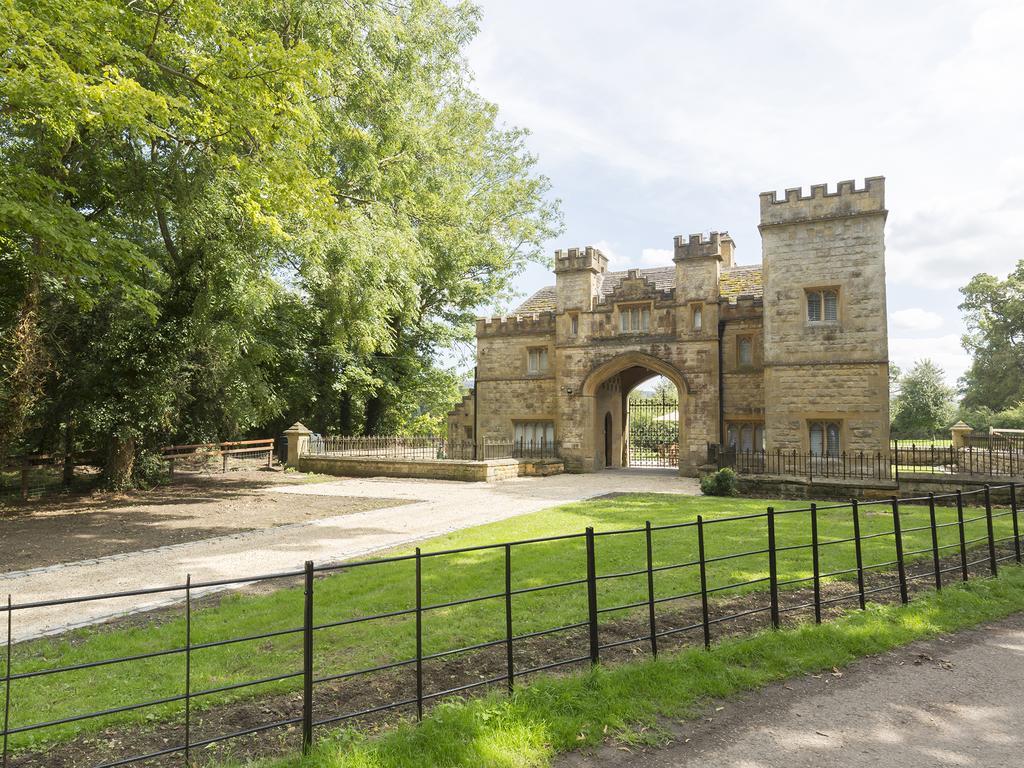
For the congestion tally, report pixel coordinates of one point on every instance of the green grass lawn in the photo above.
(557, 715)
(390, 587)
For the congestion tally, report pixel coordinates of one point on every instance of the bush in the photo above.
(721, 483)
(150, 470)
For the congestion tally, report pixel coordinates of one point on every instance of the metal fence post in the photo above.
(991, 532)
(703, 581)
(188, 670)
(419, 634)
(510, 665)
(773, 569)
(861, 593)
(592, 597)
(652, 619)
(307, 660)
(1016, 525)
(7, 683)
(897, 532)
(816, 563)
(963, 536)
(935, 543)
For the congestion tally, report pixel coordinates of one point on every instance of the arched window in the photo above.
(746, 351)
(698, 318)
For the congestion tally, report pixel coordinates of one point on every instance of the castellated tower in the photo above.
(578, 276)
(825, 338)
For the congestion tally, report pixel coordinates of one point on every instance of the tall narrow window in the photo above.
(745, 351)
(574, 325)
(747, 437)
(732, 435)
(698, 319)
(823, 305)
(537, 360)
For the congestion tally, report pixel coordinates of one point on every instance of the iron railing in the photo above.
(429, 448)
(904, 458)
(582, 572)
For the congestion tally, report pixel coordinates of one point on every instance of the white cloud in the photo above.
(656, 257)
(915, 319)
(945, 351)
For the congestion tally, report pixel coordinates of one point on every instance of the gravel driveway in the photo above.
(952, 701)
(426, 508)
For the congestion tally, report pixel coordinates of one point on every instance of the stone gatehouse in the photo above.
(790, 354)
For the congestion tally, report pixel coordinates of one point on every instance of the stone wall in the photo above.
(822, 370)
(492, 470)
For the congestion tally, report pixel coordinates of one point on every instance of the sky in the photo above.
(653, 119)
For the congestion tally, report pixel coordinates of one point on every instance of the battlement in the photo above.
(847, 200)
(579, 259)
(536, 323)
(718, 245)
(743, 307)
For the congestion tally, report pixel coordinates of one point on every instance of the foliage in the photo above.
(924, 403)
(982, 419)
(386, 587)
(629, 702)
(994, 316)
(720, 483)
(217, 218)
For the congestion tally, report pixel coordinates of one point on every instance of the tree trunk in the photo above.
(345, 425)
(69, 452)
(374, 415)
(120, 462)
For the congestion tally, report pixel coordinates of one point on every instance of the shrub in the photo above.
(721, 483)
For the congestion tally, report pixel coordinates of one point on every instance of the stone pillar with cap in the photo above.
(298, 441)
(959, 432)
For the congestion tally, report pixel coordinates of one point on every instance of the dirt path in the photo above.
(194, 507)
(416, 509)
(952, 701)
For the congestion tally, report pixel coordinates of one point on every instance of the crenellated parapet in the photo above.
(633, 286)
(516, 325)
(744, 307)
(845, 201)
(580, 259)
(717, 245)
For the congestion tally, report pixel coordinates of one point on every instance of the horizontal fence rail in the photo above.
(689, 579)
(429, 448)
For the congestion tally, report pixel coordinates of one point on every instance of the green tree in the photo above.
(925, 403)
(219, 217)
(994, 316)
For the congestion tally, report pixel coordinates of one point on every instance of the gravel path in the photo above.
(953, 701)
(436, 507)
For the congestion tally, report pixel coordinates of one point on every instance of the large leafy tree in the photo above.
(219, 216)
(994, 315)
(924, 405)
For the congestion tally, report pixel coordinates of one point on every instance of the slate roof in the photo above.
(733, 282)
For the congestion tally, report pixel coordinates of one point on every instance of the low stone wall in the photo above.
(783, 487)
(489, 471)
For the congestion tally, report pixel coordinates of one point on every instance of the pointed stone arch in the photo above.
(610, 370)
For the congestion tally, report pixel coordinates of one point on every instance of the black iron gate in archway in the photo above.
(653, 438)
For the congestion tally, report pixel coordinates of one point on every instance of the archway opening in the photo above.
(651, 418)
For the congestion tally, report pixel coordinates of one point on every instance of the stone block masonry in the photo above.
(773, 352)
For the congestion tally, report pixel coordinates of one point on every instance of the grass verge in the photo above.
(389, 587)
(557, 715)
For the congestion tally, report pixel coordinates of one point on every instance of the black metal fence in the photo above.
(429, 448)
(994, 459)
(893, 574)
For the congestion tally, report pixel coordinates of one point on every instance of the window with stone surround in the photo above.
(824, 438)
(634, 318)
(745, 435)
(537, 360)
(698, 318)
(823, 305)
(534, 434)
(744, 351)
(574, 324)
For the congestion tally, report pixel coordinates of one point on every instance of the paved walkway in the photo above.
(953, 701)
(440, 507)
